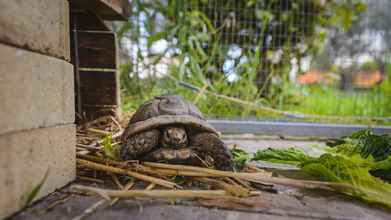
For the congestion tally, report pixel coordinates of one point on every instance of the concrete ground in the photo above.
(288, 203)
(252, 143)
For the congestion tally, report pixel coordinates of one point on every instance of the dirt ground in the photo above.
(288, 203)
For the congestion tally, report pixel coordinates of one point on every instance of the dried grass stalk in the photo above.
(101, 160)
(254, 177)
(116, 122)
(232, 189)
(93, 122)
(167, 172)
(116, 181)
(128, 186)
(165, 194)
(150, 186)
(90, 179)
(87, 147)
(101, 167)
(98, 131)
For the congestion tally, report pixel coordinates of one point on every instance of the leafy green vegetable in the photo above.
(352, 170)
(367, 143)
(290, 155)
(383, 165)
(382, 169)
(109, 148)
(358, 160)
(379, 146)
(241, 157)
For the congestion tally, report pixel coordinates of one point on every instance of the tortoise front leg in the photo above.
(208, 144)
(139, 144)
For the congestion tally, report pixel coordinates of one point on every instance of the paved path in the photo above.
(289, 204)
(252, 144)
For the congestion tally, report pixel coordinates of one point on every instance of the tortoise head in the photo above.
(174, 136)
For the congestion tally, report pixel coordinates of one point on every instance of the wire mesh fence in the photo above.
(323, 61)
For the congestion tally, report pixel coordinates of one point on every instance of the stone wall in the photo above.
(37, 132)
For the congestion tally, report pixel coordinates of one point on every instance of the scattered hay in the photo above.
(169, 181)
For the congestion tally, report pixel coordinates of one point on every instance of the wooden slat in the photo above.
(97, 50)
(89, 21)
(98, 88)
(107, 9)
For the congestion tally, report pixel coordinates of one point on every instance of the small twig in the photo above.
(88, 147)
(200, 93)
(229, 180)
(97, 191)
(150, 186)
(101, 167)
(257, 170)
(168, 172)
(101, 202)
(235, 190)
(140, 168)
(165, 194)
(90, 179)
(116, 181)
(127, 187)
(256, 177)
(102, 160)
(93, 122)
(242, 182)
(98, 131)
(117, 134)
(116, 122)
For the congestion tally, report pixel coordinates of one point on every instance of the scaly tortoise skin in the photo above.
(169, 128)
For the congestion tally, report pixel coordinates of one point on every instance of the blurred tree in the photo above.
(367, 38)
(203, 34)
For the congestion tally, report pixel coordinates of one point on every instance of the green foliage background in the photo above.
(197, 42)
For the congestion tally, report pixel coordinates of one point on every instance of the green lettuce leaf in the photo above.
(293, 156)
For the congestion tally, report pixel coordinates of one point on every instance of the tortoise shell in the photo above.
(167, 110)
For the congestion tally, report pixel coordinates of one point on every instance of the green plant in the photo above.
(241, 157)
(110, 149)
(200, 48)
(353, 170)
(324, 100)
(366, 144)
(354, 160)
(290, 155)
(369, 66)
(36, 189)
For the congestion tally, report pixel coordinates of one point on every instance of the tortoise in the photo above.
(169, 128)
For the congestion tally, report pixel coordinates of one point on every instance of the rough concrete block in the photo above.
(35, 90)
(39, 25)
(26, 156)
